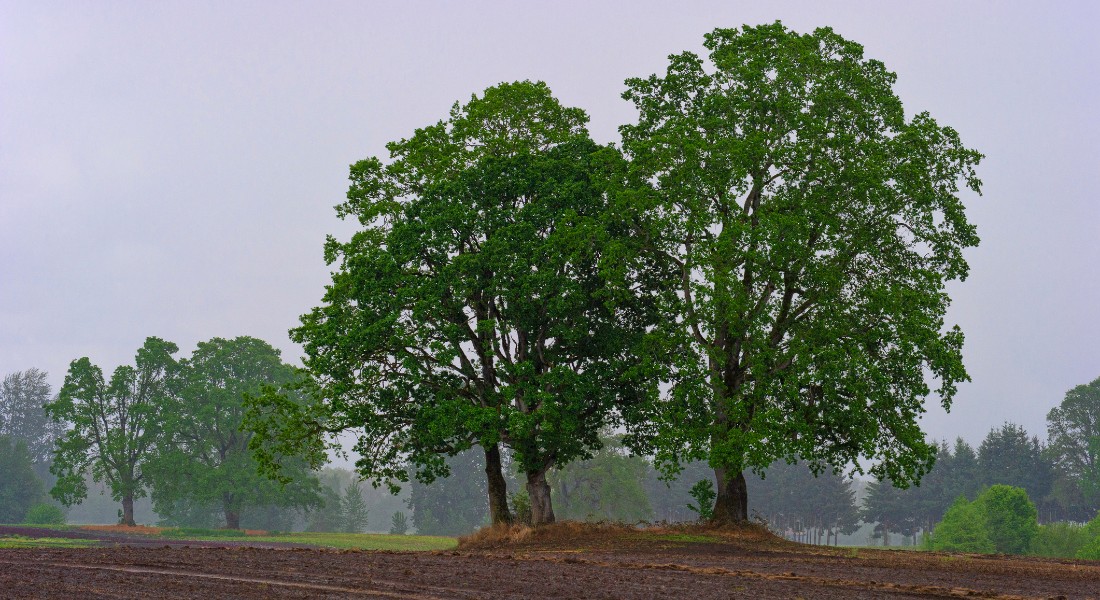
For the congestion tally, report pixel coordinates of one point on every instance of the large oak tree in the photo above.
(485, 301)
(813, 227)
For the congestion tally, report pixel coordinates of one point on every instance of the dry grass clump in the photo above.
(606, 535)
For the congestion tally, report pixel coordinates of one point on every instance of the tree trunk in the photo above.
(232, 519)
(732, 503)
(498, 488)
(538, 490)
(128, 510)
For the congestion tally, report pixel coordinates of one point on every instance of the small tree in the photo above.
(353, 509)
(963, 529)
(45, 514)
(703, 493)
(399, 524)
(1010, 518)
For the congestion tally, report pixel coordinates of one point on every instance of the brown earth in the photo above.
(563, 562)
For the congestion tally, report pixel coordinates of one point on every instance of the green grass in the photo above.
(18, 541)
(343, 541)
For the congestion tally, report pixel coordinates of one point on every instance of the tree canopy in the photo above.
(813, 228)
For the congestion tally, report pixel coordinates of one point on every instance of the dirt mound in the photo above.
(572, 535)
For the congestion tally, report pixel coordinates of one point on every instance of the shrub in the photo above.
(1010, 517)
(45, 514)
(521, 508)
(703, 493)
(1059, 540)
(963, 529)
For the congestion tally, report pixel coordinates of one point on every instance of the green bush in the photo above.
(703, 493)
(44, 514)
(963, 529)
(521, 507)
(1059, 540)
(1010, 517)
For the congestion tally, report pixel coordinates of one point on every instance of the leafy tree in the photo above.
(813, 229)
(399, 524)
(203, 456)
(670, 497)
(114, 425)
(1073, 435)
(20, 488)
(1009, 456)
(1010, 518)
(353, 509)
(963, 529)
(606, 487)
(23, 395)
(486, 301)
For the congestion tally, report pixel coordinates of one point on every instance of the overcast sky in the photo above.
(170, 169)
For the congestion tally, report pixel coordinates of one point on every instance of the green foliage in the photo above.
(1073, 434)
(1010, 518)
(963, 529)
(812, 229)
(203, 458)
(199, 532)
(1059, 540)
(19, 486)
(45, 513)
(485, 300)
(114, 424)
(521, 507)
(703, 493)
(606, 487)
(399, 524)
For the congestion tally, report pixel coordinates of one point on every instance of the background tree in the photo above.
(1009, 456)
(20, 488)
(452, 505)
(399, 524)
(892, 509)
(606, 487)
(1073, 436)
(23, 396)
(813, 508)
(203, 456)
(813, 228)
(114, 425)
(353, 509)
(486, 300)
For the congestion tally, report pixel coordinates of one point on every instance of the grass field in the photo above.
(18, 541)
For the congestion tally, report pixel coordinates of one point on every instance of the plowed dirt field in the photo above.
(642, 567)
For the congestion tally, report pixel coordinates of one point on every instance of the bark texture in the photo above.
(732, 502)
(538, 490)
(498, 488)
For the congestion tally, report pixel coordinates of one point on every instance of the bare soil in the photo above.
(566, 562)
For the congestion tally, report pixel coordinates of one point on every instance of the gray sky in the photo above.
(169, 168)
